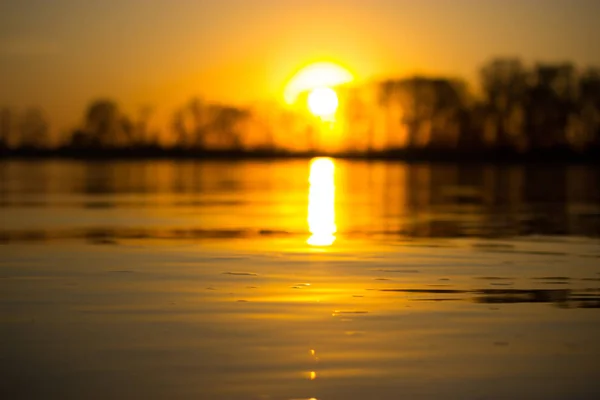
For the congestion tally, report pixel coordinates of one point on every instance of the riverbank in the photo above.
(551, 155)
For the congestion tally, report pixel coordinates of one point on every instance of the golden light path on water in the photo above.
(321, 202)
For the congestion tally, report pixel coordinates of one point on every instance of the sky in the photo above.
(61, 54)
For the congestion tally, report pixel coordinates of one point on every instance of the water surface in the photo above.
(296, 280)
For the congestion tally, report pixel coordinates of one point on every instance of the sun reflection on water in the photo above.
(321, 202)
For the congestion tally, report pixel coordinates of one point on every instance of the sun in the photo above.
(323, 102)
(320, 75)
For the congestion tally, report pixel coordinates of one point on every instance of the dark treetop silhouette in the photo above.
(548, 111)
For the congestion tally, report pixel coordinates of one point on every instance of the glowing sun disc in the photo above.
(323, 102)
(317, 75)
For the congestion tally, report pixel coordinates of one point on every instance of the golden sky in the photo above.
(61, 54)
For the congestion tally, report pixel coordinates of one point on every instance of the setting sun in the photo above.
(321, 75)
(323, 102)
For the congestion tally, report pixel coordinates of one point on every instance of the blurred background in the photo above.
(389, 78)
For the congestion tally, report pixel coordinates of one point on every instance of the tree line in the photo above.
(518, 109)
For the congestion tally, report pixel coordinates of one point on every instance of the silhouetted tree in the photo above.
(105, 126)
(33, 129)
(225, 126)
(429, 110)
(551, 101)
(585, 124)
(141, 135)
(258, 128)
(208, 126)
(359, 117)
(391, 104)
(190, 124)
(450, 104)
(505, 85)
(589, 87)
(6, 127)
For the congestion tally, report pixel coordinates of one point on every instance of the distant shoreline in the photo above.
(405, 155)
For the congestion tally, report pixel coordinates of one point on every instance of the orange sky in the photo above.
(62, 54)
